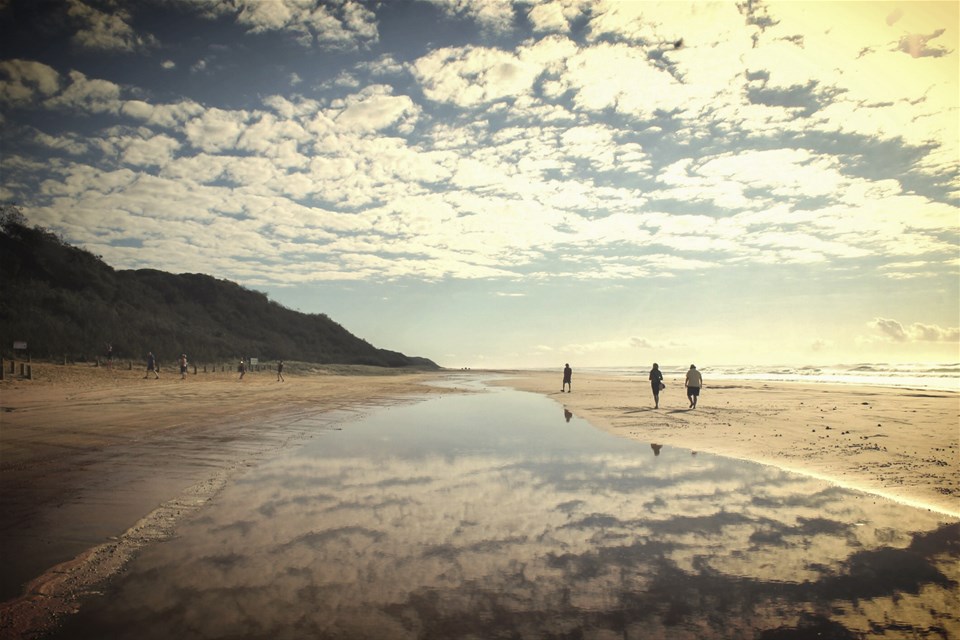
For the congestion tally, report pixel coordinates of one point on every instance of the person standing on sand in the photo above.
(151, 366)
(567, 375)
(242, 368)
(280, 372)
(183, 366)
(693, 383)
(656, 384)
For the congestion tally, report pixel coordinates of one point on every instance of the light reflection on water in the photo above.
(499, 515)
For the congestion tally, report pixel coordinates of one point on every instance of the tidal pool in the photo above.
(500, 515)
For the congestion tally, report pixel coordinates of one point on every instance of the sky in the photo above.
(508, 183)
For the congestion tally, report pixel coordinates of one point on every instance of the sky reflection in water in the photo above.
(498, 515)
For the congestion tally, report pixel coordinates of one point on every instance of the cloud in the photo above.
(88, 95)
(106, 31)
(27, 80)
(916, 45)
(375, 109)
(917, 332)
(472, 76)
(343, 25)
(216, 129)
(493, 15)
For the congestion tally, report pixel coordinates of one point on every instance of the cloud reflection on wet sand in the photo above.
(421, 523)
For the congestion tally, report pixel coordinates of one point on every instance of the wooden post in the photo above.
(23, 369)
(13, 366)
(29, 372)
(1, 367)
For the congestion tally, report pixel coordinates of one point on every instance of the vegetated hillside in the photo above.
(63, 300)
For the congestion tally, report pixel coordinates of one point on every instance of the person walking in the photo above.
(242, 368)
(280, 372)
(183, 366)
(656, 384)
(693, 383)
(151, 366)
(567, 376)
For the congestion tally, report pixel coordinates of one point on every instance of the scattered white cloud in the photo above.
(104, 31)
(916, 332)
(26, 80)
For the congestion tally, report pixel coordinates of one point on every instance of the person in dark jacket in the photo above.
(656, 384)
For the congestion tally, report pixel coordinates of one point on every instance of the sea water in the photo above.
(498, 514)
(934, 377)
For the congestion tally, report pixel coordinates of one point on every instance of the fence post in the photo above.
(23, 369)
(29, 372)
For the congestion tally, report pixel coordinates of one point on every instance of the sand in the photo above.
(95, 463)
(901, 444)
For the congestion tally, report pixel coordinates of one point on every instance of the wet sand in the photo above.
(898, 443)
(95, 463)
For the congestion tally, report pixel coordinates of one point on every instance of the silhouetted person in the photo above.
(183, 366)
(656, 384)
(656, 448)
(567, 376)
(693, 383)
(151, 366)
(280, 372)
(242, 368)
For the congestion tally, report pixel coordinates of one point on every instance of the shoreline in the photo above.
(893, 442)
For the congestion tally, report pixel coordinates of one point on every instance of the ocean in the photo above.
(934, 377)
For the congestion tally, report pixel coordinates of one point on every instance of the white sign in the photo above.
(19, 344)
(254, 360)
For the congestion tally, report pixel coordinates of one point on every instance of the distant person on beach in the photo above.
(567, 375)
(242, 368)
(110, 355)
(693, 383)
(656, 384)
(151, 366)
(183, 366)
(280, 372)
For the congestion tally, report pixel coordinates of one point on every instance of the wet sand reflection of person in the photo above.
(656, 448)
(567, 414)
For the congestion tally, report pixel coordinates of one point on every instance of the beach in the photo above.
(97, 463)
(899, 443)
